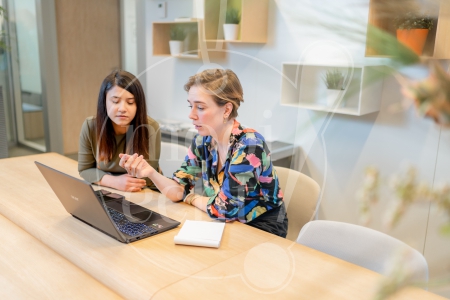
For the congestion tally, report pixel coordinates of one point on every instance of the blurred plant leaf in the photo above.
(384, 42)
(445, 229)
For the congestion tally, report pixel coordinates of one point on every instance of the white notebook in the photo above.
(200, 233)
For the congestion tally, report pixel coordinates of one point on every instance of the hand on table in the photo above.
(129, 183)
(123, 182)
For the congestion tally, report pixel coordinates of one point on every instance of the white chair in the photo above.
(362, 246)
(171, 158)
(300, 197)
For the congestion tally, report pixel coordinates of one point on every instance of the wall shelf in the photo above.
(302, 86)
(253, 26)
(436, 46)
(161, 38)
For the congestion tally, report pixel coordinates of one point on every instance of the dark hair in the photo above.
(222, 85)
(105, 130)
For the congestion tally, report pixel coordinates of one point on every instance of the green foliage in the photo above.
(445, 229)
(3, 12)
(3, 46)
(177, 32)
(383, 42)
(413, 21)
(233, 16)
(334, 79)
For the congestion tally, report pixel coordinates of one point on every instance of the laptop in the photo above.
(107, 212)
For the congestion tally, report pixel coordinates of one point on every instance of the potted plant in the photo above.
(231, 26)
(177, 36)
(412, 30)
(334, 81)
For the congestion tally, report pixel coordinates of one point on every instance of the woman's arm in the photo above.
(122, 182)
(196, 200)
(137, 166)
(87, 165)
(154, 144)
(181, 183)
(154, 148)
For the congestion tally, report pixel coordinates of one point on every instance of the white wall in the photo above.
(129, 37)
(385, 139)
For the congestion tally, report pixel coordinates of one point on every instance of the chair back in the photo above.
(300, 197)
(171, 158)
(362, 246)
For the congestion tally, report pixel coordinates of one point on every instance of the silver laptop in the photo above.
(108, 212)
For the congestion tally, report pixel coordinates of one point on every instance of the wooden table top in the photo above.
(282, 269)
(249, 262)
(31, 270)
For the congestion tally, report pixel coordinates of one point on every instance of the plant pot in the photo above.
(176, 47)
(333, 96)
(231, 31)
(413, 38)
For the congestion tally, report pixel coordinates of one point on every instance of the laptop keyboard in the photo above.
(128, 227)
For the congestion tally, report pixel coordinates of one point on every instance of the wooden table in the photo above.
(31, 270)
(249, 262)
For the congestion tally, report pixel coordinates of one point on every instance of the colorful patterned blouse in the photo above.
(247, 185)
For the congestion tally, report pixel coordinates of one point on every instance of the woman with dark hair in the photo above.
(234, 162)
(120, 126)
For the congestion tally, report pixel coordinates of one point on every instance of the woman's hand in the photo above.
(123, 182)
(135, 165)
(128, 183)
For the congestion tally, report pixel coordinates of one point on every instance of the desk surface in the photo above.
(249, 262)
(31, 270)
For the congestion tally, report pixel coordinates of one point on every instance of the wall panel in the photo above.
(88, 48)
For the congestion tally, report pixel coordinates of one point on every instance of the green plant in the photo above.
(430, 96)
(334, 79)
(411, 20)
(177, 32)
(233, 16)
(3, 46)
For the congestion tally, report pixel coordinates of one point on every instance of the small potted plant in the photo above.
(334, 81)
(412, 30)
(177, 36)
(231, 26)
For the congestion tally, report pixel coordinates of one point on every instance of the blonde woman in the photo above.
(239, 180)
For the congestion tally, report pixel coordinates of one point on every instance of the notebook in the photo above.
(200, 233)
(107, 212)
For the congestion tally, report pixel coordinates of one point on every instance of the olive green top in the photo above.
(92, 170)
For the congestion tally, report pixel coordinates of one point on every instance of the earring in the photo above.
(225, 119)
